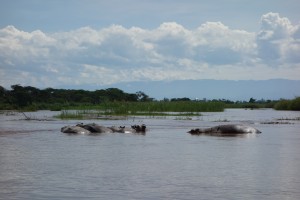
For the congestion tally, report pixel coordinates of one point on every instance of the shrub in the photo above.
(288, 104)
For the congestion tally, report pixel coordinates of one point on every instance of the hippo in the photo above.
(225, 130)
(124, 129)
(133, 129)
(75, 130)
(139, 129)
(95, 128)
(116, 129)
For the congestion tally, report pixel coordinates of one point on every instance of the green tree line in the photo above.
(31, 98)
(27, 96)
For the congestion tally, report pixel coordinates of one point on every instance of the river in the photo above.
(37, 161)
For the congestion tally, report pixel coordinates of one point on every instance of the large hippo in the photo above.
(75, 130)
(228, 129)
(95, 128)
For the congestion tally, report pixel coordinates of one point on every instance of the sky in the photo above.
(98, 43)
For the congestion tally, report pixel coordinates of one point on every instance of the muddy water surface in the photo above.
(37, 161)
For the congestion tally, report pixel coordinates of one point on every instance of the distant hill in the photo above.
(216, 89)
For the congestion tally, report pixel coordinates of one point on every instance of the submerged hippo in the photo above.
(228, 129)
(139, 129)
(75, 130)
(95, 128)
(132, 129)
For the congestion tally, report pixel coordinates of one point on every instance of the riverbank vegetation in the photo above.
(113, 101)
(284, 104)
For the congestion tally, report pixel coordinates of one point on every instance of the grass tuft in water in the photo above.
(142, 109)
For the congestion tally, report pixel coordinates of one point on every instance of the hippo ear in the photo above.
(144, 127)
(258, 131)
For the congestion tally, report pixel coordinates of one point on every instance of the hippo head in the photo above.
(196, 131)
(139, 128)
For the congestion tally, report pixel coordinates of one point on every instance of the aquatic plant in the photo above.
(70, 114)
(290, 119)
(142, 108)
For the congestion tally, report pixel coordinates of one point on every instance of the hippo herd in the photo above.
(221, 130)
(94, 129)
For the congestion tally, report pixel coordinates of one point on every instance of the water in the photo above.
(37, 161)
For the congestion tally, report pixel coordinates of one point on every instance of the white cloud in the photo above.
(278, 40)
(171, 51)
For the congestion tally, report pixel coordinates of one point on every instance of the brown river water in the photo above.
(37, 161)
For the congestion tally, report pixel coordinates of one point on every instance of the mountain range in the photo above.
(240, 90)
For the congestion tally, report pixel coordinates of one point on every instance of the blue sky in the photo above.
(65, 15)
(98, 43)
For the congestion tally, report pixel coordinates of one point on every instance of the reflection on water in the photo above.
(37, 161)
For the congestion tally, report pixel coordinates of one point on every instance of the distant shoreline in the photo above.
(114, 101)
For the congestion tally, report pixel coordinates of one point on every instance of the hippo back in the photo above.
(75, 130)
(234, 129)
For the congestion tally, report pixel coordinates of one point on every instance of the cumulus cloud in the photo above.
(169, 52)
(278, 40)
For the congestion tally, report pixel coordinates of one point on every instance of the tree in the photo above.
(2, 94)
(142, 96)
(115, 94)
(20, 96)
(181, 99)
(252, 100)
